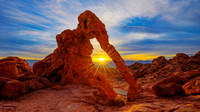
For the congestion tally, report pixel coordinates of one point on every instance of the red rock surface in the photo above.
(14, 67)
(180, 58)
(17, 78)
(170, 86)
(135, 66)
(158, 63)
(12, 88)
(162, 67)
(77, 98)
(192, 74)
(192, 87)
(71, 62)
(144, 70)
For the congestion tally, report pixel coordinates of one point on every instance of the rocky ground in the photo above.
(167, 86)
(58, 82)
(81, 98)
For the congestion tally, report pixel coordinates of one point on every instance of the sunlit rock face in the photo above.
(71, 62)
(192, 87)
(14, 68)
(177, 76)
(17, 78)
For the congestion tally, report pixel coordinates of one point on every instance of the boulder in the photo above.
(144, 70)
(180, 58)
(167, 71)
(45, 82)
(192, 74)
(17, 78)
(12, 88)
(14, 67)
(33, 84)
(170, 86)
(192, 87)
(158, 63)
(196, 58)
(135, 66)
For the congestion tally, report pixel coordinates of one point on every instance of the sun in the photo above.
(101, 59)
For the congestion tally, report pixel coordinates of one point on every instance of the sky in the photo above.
(139, 29)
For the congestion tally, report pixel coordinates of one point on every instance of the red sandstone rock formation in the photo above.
(170, 86)
(158, 63)
(71, 61)
(161, 67)
(17, 78)
(14, 68)
(135, 66)
(144, 70)
(191, 74)
(162, 70)
(192, 87)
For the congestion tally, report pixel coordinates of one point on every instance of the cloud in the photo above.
(31, 26)
(144, 56)
(142, 36)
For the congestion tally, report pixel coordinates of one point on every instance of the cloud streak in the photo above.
(135, 26)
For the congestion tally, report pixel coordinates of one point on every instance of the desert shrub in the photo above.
(24, 92)
(31, 88)
(117, 101)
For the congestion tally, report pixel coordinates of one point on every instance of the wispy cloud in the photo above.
(135, 26)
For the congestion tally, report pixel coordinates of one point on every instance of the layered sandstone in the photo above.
(71, 62)
(180, 67)
(17, 78)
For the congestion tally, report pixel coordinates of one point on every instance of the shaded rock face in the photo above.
(144, 70)
(193, 86)
(17, 78)
(158, 63)
(180, 67)
(135, 66)
(191, 74)
(12, 88)
(180, 58)
(162, 68)
(71, 62)
(170, 86)
(14, 68)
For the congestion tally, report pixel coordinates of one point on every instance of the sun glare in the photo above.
(101, 59)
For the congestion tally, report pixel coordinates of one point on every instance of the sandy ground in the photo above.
(81, 98)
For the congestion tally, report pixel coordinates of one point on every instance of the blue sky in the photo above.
(139, 29)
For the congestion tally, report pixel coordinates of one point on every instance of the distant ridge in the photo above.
(127, 62)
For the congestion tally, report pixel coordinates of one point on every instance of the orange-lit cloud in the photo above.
(144, 56)
(136, 56)
(97, 55)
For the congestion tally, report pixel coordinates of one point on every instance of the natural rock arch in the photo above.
(71, 62)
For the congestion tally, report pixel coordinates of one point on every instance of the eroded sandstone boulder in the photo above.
(192, 74)
(135, 66)
(192, 87)
(14, 68)
(180, 58)
(17, 78)
(170, 86)
(11, 87)
(158, 63)
(162, 68)
(196, 58)
(144, 70)
(71, 62)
